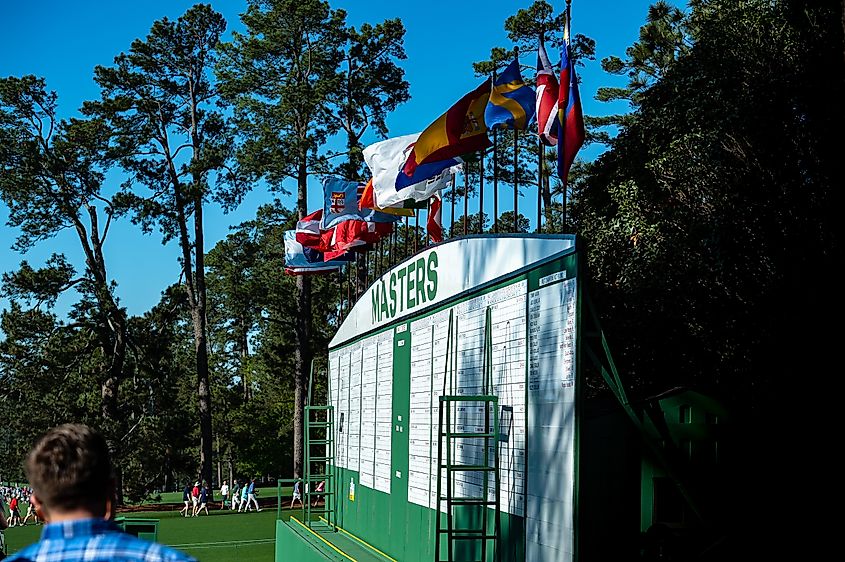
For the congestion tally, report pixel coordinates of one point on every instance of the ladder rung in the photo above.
(320, 424)
(320, 459)
(464, 534)
(319, 441)
(468, 501)
(469, 434)
(469, 398)
(468, 467)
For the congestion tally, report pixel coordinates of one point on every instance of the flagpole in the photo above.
(391, 249)
(481, 193)
(515, 159)
(495, 180)
(416, 228)
(515, 179)
(452, 228)
(466, 196)
(348, 288)
(427, 218)
(340, 294)
(540, 182)
(378, 260)
(405, 254)
(562, 132)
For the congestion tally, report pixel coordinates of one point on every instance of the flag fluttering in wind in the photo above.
(308, 232)
(341, 204)
(458, 131)
(356, 234)
(547, 94)
(511, 104)
(571, 134)
(368, 201)
(435, 222)
(385, 160)
(302, 261)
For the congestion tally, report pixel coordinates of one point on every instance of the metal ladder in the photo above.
(473, 507)
(319, 448)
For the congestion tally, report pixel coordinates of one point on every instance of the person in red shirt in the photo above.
(195, 499)
(14, 513)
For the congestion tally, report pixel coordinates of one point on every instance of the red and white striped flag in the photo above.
(547, 97)
(435, 225)
(308, 229)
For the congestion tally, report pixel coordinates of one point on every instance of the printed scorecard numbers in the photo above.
(429, 337)
(361, 379)
(551, 335)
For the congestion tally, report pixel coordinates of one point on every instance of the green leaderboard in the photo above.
(453, 387)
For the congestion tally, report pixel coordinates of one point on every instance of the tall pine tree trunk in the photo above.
(302, 357)
(113, 339)
(243, 337)
(198, 315)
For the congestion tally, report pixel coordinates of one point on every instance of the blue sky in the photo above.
(63, 41)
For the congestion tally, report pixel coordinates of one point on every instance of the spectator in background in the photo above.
(224, 494)
(30, 512)
(321, 486)
(186, 498)
(236, 495)
(251, 491)
(195, 498)
(297, 494)
(73, 492)
(14, 512)
(4, 524)
(203, 499)
(244, 503)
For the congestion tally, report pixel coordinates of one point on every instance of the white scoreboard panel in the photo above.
(361, 379)
(533, 302)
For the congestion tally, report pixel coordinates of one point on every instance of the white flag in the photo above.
(386, 160)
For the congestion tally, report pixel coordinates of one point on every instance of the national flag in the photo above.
(435, 223)
(385, 160)
(350, 234)
(341, 204)
(547, 94)
(368, 201)
(297, 262)
(458, 131)
(308, 229)
(571, 119)
(511, 104)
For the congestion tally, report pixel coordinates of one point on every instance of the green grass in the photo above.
(221, 536)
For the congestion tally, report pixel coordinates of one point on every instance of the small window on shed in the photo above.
(684, 413)
(711, 419)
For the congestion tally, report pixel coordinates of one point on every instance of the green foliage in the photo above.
(372, 85)
(666, 36)
(277, 78)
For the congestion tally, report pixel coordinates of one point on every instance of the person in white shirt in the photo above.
(224, 494)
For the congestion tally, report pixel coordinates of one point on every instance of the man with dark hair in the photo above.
(70, 472)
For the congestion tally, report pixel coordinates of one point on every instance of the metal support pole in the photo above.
(540, 170)
(481, 193)
(495, 177)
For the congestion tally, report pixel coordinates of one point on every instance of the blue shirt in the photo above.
(94, 540)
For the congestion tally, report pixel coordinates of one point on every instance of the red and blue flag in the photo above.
(570, 116)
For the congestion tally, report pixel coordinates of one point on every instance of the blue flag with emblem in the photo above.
(341, 204)
(512, 101)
